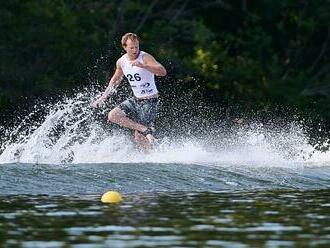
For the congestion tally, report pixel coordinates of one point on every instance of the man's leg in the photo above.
(119, 117)
(142, 142)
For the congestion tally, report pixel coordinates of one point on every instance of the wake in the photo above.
(71, 132)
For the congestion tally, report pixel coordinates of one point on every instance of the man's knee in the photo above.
(138, 137)
(111, 116)
(115, 114)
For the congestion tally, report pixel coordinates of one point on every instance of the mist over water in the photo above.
(69, 149)
(72, 132)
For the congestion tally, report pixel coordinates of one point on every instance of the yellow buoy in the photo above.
(111, 197)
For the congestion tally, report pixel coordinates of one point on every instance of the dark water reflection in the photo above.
(277, 218)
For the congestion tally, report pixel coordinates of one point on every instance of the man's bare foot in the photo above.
(238, 120)
(151, 138)
(148, 133)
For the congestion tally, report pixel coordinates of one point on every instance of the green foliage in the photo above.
(265, 52)
(46, 47)
(272, 56)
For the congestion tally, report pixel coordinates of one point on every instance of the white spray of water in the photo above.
(69, 133)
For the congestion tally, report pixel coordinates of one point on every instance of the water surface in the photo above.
(165, 205)
(251, 185)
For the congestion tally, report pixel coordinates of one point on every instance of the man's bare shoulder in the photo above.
(145, 54)
(148, 57)
(119, 62)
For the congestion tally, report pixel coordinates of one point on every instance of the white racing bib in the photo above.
(141, 80)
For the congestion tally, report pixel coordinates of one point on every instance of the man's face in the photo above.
(132, 48)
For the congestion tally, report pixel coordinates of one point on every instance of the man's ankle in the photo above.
(148, 131)
(150, 138)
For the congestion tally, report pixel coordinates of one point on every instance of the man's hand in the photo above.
(99, 102)
(110, 91)
(137, 63)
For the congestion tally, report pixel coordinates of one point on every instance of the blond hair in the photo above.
(130, 36)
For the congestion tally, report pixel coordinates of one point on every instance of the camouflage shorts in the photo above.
(142, 111)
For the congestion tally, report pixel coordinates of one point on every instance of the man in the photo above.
(139, 112)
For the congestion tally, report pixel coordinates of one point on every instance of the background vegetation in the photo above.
(255, 53)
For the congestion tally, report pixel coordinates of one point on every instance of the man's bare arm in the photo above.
(113, 84)
(151, 64)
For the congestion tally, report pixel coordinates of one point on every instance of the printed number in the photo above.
(135, 77)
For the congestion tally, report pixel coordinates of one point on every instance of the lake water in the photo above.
(165, 205)
(250, 186)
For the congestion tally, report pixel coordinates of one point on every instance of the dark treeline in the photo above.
(255, 53)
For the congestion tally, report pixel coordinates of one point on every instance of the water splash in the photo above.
(70, 132)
